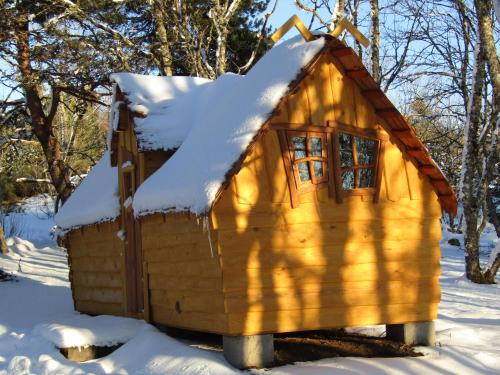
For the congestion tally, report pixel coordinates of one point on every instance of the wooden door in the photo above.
(133, 250)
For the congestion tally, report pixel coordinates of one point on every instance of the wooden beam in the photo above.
(294, 195)
(388, 112)
(357, 73)
(372, 93)
(341, 52)
(416, 152)
(299, 25)
(401, 131)
(427, 168)
(344, 24)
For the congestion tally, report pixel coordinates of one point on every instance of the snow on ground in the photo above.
(36, 313)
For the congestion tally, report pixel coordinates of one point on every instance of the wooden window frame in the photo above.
(315, 182)
(340, 192)
(295, 185)
(333, 171)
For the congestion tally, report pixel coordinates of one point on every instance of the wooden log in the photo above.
(101, 295)
(99, 308)
(353, 252)
(183, 252)
(337, 296)
(206, 268)
(96, 264)
(257, 322)
(96, 279)
(270, 215)
(323, 234)
(184, 282)
(287, 277)
(198, 321)
(188, 300)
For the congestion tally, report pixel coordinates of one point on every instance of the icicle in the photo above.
(206, 226)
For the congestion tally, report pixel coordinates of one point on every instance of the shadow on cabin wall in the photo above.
(324, 264)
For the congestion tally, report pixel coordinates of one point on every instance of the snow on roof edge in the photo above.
(201, 167)
(94, 201)
(165, 102)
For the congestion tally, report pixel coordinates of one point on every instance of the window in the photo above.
(309, 158)
(345, 158)
(358, 161)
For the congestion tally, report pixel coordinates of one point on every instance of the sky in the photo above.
(284, 10)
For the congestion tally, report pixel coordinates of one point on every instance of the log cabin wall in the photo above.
(184, 276)
(325, 264)
(96, 269)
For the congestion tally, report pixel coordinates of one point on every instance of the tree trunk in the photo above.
(375, 34)
(355, 23)
(474, 180)
(40, 122)
(483, 8)
(338, 12)
(470, 160)
(495, 220)
(162, 49)
(221, 51)
(3, 245)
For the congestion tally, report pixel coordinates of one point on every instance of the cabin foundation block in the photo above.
(249, 351)
(421, 333)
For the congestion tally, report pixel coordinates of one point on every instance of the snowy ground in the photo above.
(36, 312)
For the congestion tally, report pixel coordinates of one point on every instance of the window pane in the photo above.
(348, 180)
(366, 150)
(346, 157)
(366, 177)
(316, 147)
(299, 147)
(304, 172)
(318, 168)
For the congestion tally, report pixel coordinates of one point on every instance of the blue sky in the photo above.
(286, 9)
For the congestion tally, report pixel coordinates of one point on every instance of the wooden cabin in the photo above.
(296, 198)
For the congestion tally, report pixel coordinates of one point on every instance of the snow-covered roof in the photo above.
(224, 117)
(95, 200)
(166, 104)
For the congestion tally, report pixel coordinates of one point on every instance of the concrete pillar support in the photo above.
(421, 333)
(249, 351)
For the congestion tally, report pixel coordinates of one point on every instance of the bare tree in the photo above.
(54, 49)
(375, 41)
(163, 45)
(481, 150)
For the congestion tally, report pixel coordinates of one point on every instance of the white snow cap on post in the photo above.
(225, 116)
(95, 200)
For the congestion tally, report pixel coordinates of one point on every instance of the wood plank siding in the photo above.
(183, 273)
(96, 269)
(324, 264)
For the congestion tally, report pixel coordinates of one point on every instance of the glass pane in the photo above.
(304, 172)
(299, 147)
(316, 147)
(348, 180)
(366, 177)
(318, 168)
(346, 157)
(366, 150)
